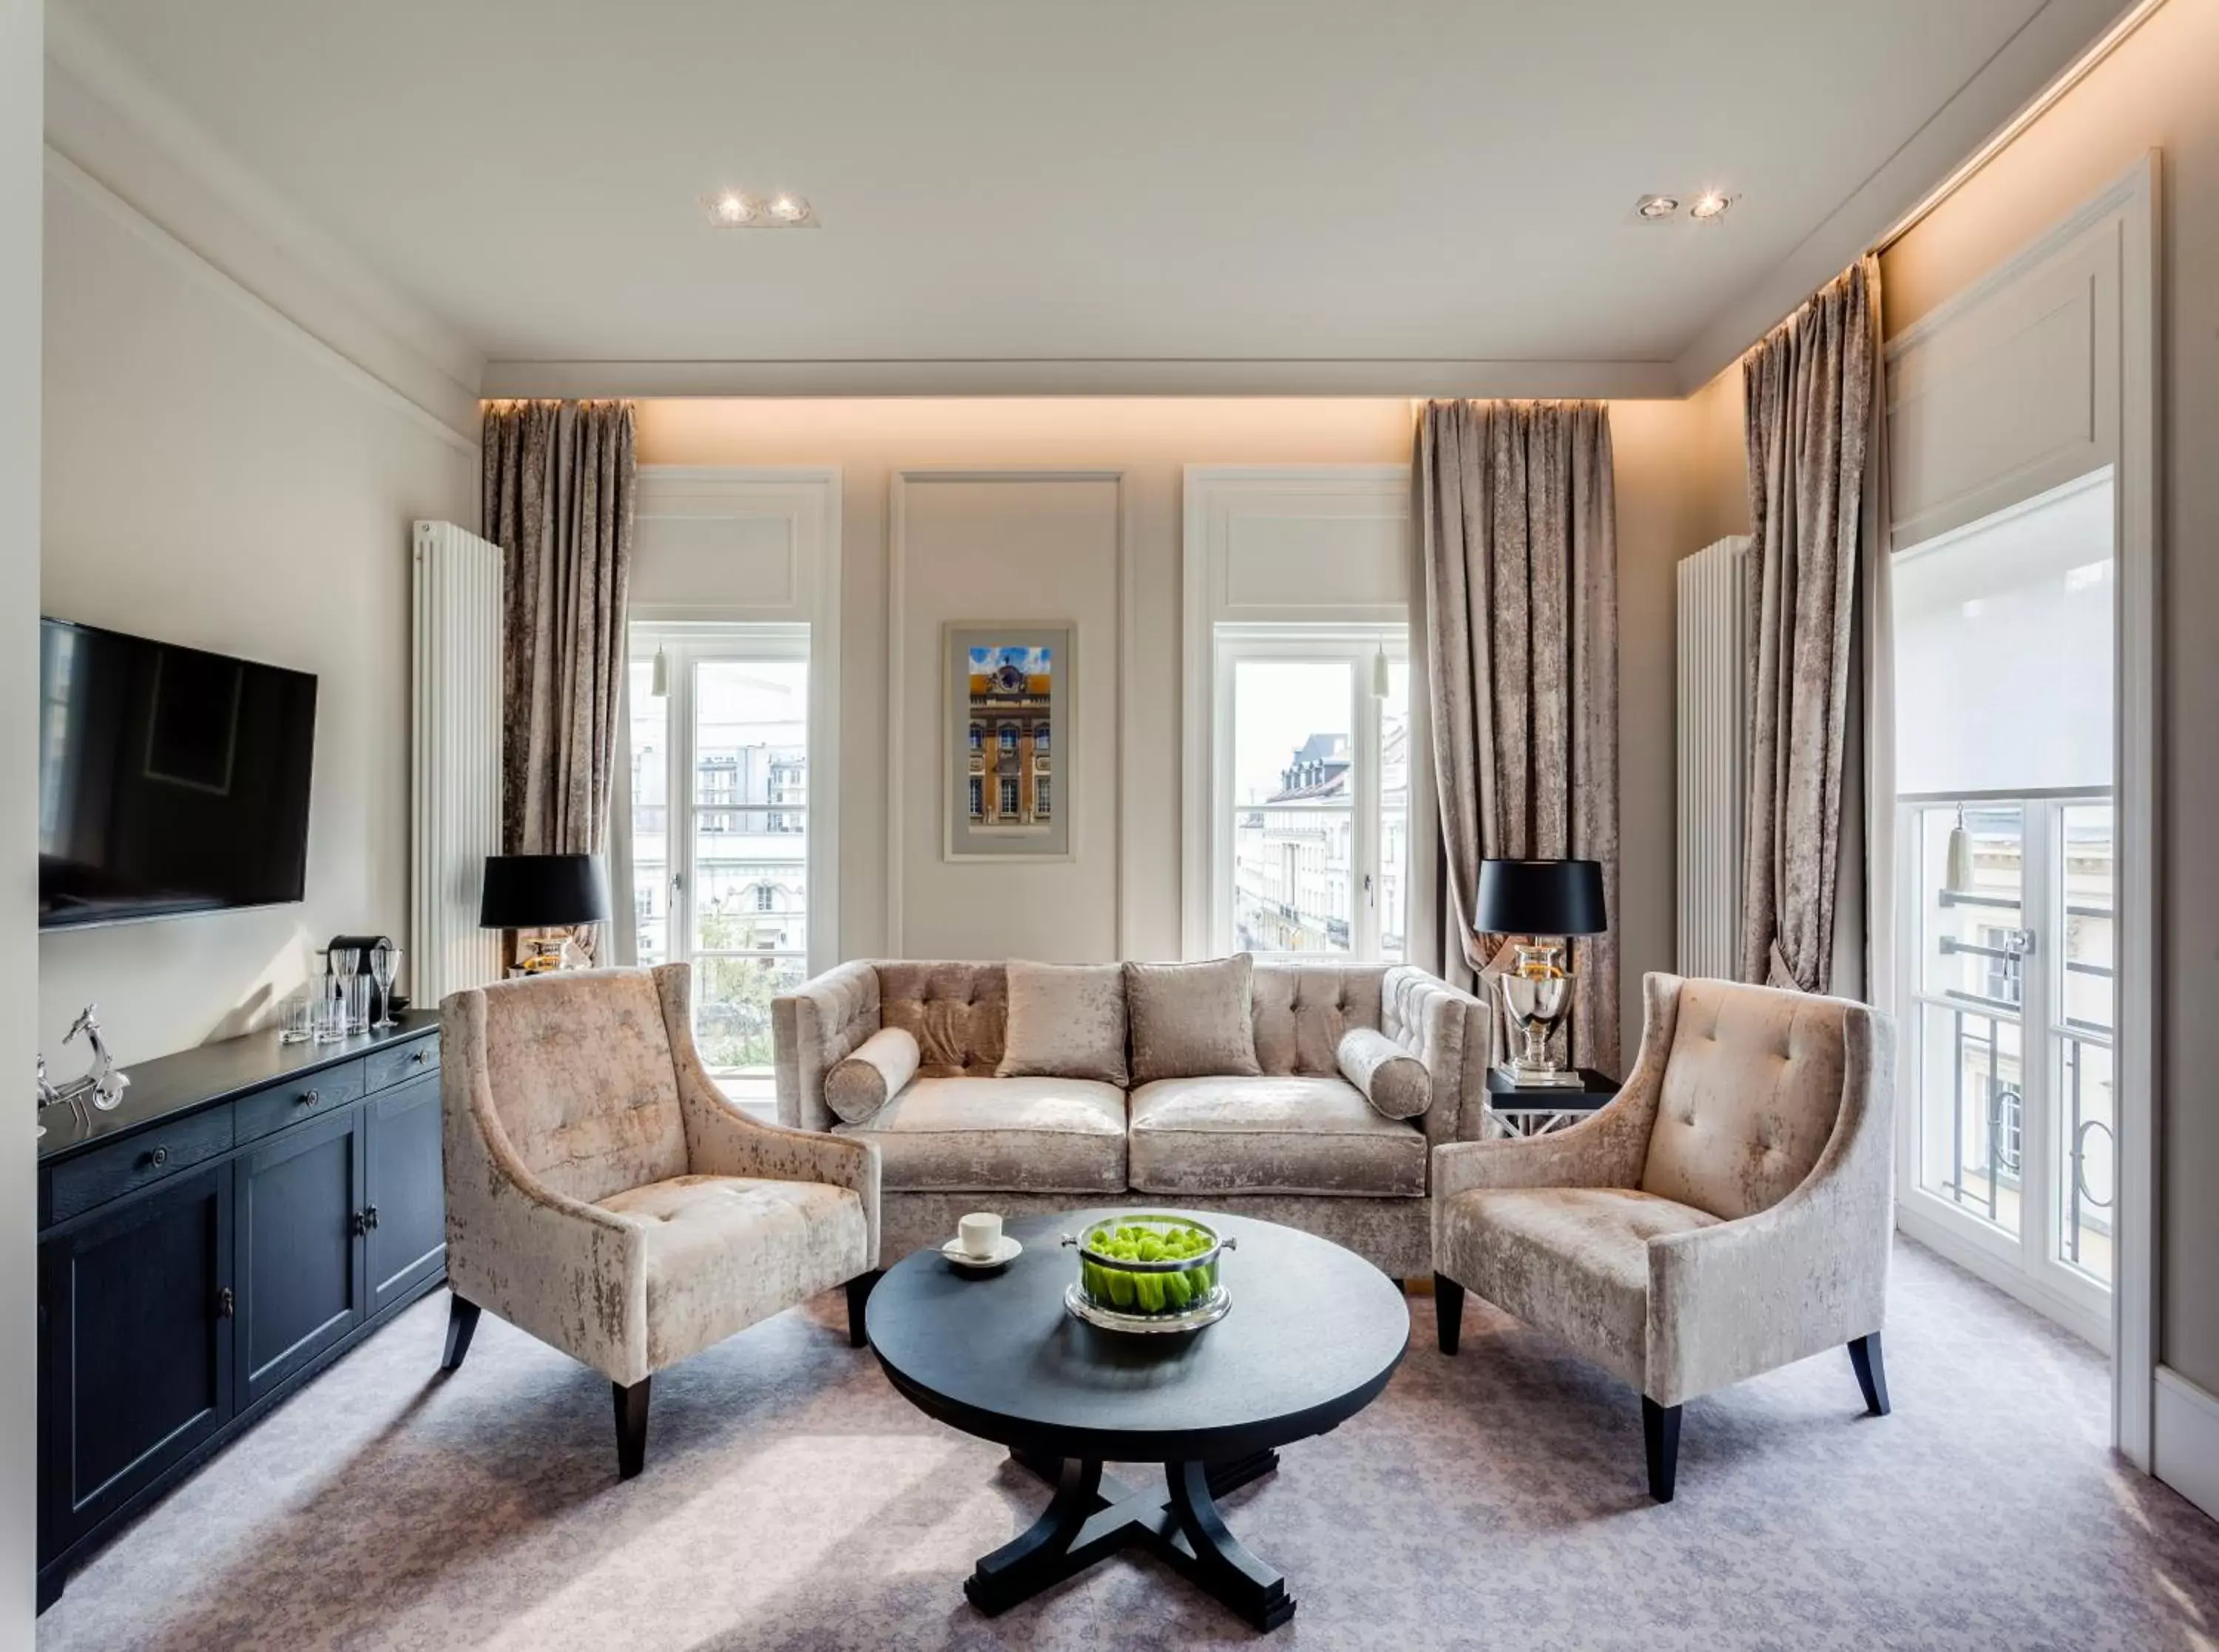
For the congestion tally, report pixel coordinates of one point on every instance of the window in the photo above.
(977, 738)
(1040, 737)
(1008, 731)
(1009, 800)
(1042, 797)
(720, 876)
(977, 797)
(1310, 827)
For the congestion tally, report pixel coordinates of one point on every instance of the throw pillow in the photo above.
(1393, 1080)
(1066, 1021)
(871, 1076)
(1192, 1021)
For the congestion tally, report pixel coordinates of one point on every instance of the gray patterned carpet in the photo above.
(1494, 1500)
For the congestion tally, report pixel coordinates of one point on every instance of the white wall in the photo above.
(20, 93)
(215, 476)
(1666, 482)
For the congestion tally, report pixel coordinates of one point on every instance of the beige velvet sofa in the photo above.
(1729, 1213)
(604, 1195)
(1297, 1143)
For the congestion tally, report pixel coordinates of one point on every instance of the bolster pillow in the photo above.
(1393, 1080)
(872, 1075)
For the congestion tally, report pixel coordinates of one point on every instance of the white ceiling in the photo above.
(1081, 180)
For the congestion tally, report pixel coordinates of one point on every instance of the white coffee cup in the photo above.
(980, 1233)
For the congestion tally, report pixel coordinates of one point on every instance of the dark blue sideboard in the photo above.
(251, 1210)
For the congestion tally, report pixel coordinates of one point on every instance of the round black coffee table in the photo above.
(1314, 1334)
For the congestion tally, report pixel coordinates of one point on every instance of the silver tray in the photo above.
(1208, 1311)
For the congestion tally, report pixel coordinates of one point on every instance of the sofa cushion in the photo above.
(582, 1079)
(1751, 1090)
(1393, 1080)
(1191, 1020)
(1066, 1021)
(1270, 1135)
(1573, 1262)
(866, 1081)
(724, 1251)
(994, 1135)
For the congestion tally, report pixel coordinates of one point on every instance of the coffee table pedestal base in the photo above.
(1094, 1515)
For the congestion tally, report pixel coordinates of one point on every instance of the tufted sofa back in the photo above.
(959, 1013)
(1751, 1090)
(1303, 1010)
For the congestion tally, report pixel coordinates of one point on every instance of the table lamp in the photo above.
(1546, 902)
(545, 891)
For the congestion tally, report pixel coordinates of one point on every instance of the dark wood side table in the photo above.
(1536, 1109)
(1314, 1334)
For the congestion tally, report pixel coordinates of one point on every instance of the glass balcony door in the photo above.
(2011, 921)
(721, 827)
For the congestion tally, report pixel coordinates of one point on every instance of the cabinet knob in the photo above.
(227, 1305)
(308, 1098)
(370, 1218)
(420, 1057)
(158, 1157)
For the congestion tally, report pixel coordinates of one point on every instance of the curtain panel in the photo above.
(560, 479)
(1518, 622)
(1809, 401)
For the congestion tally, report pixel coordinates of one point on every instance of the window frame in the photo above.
(1356, 645)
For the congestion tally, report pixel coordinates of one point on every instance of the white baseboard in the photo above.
(2185, 1451)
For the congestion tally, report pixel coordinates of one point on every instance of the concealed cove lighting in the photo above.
(1653, 207)
(1708, 205)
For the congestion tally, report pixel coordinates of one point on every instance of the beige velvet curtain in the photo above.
(1808, 387)
(559, 484)
(1519, 624)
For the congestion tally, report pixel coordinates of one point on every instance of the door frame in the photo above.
(2130, 206)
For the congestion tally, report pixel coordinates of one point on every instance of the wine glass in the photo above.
(346, 965)
(384, 964)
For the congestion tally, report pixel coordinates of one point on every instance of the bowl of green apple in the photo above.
(1149, 1273)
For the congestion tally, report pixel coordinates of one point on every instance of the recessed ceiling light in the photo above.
(731, 209)
(1710, 204)
(1653, 207)
(788, 208)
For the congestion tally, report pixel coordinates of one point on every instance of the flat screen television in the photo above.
(170, 780)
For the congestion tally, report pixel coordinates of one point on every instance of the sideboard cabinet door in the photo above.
(135, 1348)
(300, 1223)
(407, 1196)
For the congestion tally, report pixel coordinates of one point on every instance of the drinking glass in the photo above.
(346, 965)
(384, 964)
(331, 1009)
(300, 1024)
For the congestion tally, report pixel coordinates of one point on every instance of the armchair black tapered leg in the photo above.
(462, 1325)
(631, 1427)
(1660, 1429)
(859, 1296)
(1448, 1311)
(1871, 1374)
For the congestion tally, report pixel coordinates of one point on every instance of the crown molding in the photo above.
(110, 122)
(2048, 47)
(1091, 377)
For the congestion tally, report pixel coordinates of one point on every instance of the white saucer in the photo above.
(1003, 1253)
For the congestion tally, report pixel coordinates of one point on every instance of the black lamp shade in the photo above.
(1539, 897)
(544, 891)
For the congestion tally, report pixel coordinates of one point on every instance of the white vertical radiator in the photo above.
(1711, 719)
(455, 812)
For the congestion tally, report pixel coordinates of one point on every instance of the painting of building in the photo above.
(1009, 741)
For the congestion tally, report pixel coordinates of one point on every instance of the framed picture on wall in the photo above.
(1006, 752)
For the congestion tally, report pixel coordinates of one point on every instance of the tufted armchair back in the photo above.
(1750, 1092)
(579, 1069)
